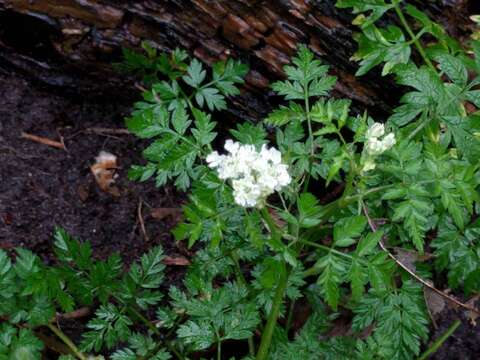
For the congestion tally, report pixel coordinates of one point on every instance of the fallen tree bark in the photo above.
(70, 44)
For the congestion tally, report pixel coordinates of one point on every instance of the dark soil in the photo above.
(42, 187)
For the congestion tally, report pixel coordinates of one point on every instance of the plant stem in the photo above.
(414, 38)
(144, 320)
(290, 317)
(263, 350)
(241, 280)
(219, 351)
(439, 342)
(315, 270)
(67, 341)
(153, 328)
(310, 135)
(326, 248)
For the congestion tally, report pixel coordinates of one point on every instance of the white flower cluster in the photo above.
(254, 175)
(374, 146)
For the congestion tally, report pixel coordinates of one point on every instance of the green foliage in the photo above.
(437, 103)
(108, 327)
(457, 250)
(429, 175)
(171, 113)
(216, 316)
(151, 65)
(307, 78)
(375, 8)
(140, 283)
(303, 246)
(398, 315)
(32, 293)
(19, 344)
(307, 345)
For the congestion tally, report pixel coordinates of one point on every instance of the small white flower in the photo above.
(271, 154)
(388, 141)
(214, 159)
(254, 175)
(375, 131)
(231, 147)
(374, 146)
(368, 165)
(245, 192)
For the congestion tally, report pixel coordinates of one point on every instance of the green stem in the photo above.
(315, 270)
(263, 350)
(154, 329)
(144, 320)
(439, 342)
(326, 248)
(290, 316)
(241, 280)
(413, 37)
(310, 130)
(310, 135)
(67, 341)
(219, 351)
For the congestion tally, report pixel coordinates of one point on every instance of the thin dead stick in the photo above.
(43, 140)
(140, 87)
(140, 219)
(75, 314)
(415, 276)
(101, 131)
(62, 139)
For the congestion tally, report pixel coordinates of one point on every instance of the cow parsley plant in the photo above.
(296, 229)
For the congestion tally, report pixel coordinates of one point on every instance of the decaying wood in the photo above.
(70, 44)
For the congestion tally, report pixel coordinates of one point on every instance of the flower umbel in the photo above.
(374, 146)
(254, 174)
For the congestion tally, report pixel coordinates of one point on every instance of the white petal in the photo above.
(375, 131)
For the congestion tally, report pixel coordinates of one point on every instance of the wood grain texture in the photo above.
(70, 44)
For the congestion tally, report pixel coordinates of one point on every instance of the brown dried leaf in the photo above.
(471, 315)
(435, 302)
(104, 171)
(407, 258)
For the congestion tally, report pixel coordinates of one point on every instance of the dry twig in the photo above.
(75, 314)
(140, 219)
(411, 273)
(102, 131)
(140, 87)
(178, 261)
(44, 141)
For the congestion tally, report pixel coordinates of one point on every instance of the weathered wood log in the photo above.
(70, 44)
